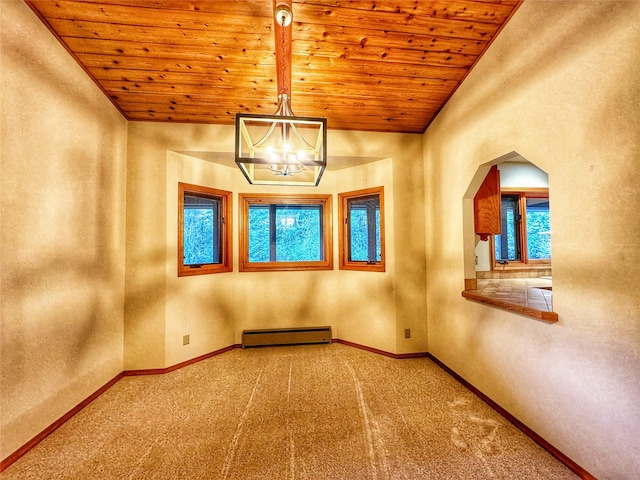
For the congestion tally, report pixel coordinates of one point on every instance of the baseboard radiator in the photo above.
(285, 336)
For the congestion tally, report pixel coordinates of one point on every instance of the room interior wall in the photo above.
(200, 306)
(63, 148)
(522, 175)
(551, 88)
(410, 251)
(215, 309)
(366, 310)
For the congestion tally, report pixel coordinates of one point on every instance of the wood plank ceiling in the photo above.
(386, 66)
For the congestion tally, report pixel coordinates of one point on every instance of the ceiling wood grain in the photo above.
(386, 66)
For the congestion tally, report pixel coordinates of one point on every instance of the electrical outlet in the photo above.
(407, 333)
(185, 339)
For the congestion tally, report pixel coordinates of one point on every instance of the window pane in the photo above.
(361, 230)
(378, 243)
(359, 238)
(538, 229)
(298, 233)
(204, 240)
(364, 230)
(259, 233)
(285, 233)
(507, 245)
(201, 232)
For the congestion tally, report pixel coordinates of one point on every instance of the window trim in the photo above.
(246, 199)
(343, 231)
(523, 194)
(226, 210)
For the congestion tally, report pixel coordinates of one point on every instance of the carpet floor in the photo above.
(284, 413)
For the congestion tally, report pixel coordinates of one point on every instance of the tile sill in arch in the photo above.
(543, 315)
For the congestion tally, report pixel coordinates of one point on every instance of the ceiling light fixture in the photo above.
(281, 149)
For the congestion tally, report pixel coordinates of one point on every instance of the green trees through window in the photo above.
(204, 231)
(525, 219)
(279, 232)
(538, 229)
(201, 230)
(362, 230)
(285, 232)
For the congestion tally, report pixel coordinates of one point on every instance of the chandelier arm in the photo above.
(266, 135)
(300, 137)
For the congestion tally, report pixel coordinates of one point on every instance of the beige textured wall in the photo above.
(560, 86)
(410, 257)
(63, 149)
(201, 306)
(365, 310)
(214, 309)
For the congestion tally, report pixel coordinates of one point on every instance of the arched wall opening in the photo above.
(511, 267)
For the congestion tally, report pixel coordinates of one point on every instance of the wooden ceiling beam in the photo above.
(282, 41)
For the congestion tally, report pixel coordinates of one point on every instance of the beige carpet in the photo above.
(303, 412)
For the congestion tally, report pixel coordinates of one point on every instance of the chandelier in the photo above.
(281, 149)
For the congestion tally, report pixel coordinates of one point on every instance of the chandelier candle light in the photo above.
(281, 149)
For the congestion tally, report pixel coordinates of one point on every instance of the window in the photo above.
(361, 230)
(526, 232)
(204, 230)
(285, 232)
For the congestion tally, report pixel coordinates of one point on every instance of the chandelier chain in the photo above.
(284, 60)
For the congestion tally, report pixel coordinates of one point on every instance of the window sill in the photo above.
(529, 297)
(522, 266)
(363, 266)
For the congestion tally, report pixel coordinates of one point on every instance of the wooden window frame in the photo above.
(245, 200)
(225, 228)
(523, 194)
(344, 231)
